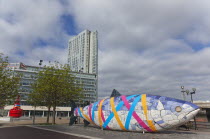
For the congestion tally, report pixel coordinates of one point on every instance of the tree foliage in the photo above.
(55, 86)
(9, 82)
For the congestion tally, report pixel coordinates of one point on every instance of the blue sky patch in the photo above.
(198, 46)
(20, 53)
(41, 42)
(68, 24)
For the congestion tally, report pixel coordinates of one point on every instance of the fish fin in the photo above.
(115, 93)
(73, 120)
(86, 123)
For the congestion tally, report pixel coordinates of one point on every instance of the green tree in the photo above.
(41, 95)
(56, 85)
(9, 82)
(35, 100)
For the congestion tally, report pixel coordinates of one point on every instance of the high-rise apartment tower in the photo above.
(83, 52)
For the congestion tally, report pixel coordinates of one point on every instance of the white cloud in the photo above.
(47, 54)
(24, 22)
(145, 46)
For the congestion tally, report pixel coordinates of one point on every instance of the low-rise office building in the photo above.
(29, 75)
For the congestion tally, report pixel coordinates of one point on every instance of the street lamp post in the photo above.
(80, 71)
(193, 92)
(40, 64)
(188, 92)
(80, 78)
(184, 91)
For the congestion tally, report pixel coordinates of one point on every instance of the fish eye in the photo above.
(178, 109)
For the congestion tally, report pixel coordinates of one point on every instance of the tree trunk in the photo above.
(53, 119)
(48, 114)
(34, 115)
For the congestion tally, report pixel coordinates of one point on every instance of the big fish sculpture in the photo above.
(141, 112)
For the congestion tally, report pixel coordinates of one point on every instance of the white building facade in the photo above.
(83, 52)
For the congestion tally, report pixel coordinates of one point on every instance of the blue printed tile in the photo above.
(133, 126)
(162, 99)
(167, 107)
(153, 108)
(149, 107)
(124, 108)
(160, 122)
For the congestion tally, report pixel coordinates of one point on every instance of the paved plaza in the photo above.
(97, 132)
(24, 128)
(25, 132)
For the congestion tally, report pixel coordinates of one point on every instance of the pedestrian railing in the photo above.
(202, 125)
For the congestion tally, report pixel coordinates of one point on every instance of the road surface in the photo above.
(26, 132)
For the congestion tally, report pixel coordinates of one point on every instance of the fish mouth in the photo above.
(193, 113)
(189, 116)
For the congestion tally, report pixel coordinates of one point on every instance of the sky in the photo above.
(145, 46)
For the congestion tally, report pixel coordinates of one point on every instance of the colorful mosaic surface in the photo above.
(138, 113)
